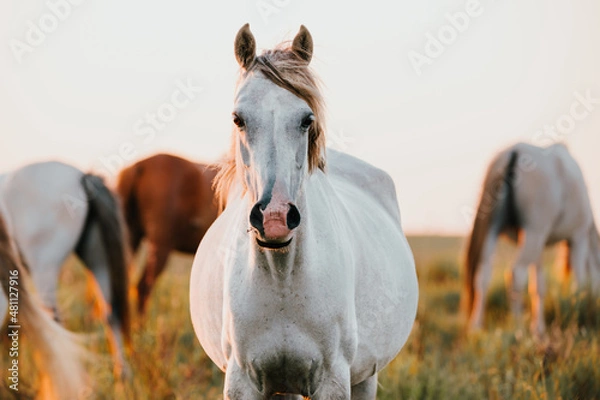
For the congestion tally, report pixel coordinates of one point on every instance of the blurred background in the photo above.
(428, 91)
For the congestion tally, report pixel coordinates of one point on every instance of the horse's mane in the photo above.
(287, 70)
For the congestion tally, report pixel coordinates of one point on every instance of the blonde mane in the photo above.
(287, 70)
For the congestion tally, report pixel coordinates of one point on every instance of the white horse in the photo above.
(57, 352)
(537, 197)
(320, 292)
(53, 209)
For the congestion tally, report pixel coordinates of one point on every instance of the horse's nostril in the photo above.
(256, 217)
(293, 217)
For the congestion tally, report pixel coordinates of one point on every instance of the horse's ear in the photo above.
(245, 47)
(302, 45)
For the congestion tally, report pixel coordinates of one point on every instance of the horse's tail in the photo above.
(496, 210)
(58, 353)
(105, 210)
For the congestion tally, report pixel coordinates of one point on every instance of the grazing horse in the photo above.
(57, 352)
(305, 285)
(169, 201)
(53, 209)
(537, 197)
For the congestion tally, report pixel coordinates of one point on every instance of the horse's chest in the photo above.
(281, 314)
(282, 352)
(272, 326)
(286, 372)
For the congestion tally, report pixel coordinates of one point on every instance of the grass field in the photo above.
(438, 362)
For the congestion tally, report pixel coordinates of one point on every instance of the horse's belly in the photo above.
(568, 226)
(387, 297)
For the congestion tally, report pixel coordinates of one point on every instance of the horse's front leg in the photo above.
(366, 390)
(335, 386)
(531, 247)
(237, 384)
(578, 254)
(537, 290)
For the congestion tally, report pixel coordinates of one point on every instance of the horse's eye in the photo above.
(307, 122)
(239, 122)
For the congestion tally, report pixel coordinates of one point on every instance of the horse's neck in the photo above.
(281, 264)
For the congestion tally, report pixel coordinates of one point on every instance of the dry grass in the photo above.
(438, 362)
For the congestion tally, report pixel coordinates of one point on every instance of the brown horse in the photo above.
(169, 201)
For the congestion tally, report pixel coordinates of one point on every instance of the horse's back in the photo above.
(348, 172)
(44, 194)
(161, 178)
(549, 163)
(549, 189)
(49, 177)
(172, 197)
(45, 208)
(538, 170)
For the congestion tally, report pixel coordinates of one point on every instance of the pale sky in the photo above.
(81, 93)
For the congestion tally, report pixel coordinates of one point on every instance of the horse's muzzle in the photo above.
(274, 223)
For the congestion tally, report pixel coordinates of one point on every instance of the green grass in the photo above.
(439, 360)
